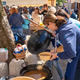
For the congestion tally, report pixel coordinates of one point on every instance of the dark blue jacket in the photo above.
(69, 35)
(16, 20)
(73, 16)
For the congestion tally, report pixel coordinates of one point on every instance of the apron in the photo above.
(71, 67)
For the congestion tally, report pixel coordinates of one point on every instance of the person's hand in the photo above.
(53, 56)
(43, 8)
(54, 35)
(53, 50)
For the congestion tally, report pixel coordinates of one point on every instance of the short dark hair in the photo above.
(62, 12)
(45, 5)
(25, 11)
(37, 9)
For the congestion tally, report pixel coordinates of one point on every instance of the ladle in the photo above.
(25, 17)
(40, 67)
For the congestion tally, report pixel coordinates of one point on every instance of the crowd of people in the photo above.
(35, 13)
(66, 26)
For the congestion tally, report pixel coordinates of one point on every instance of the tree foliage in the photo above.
(59, 1)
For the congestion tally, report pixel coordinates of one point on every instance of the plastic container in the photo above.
(15, 67)
(3, 54)
(3, 69)
(24, 47)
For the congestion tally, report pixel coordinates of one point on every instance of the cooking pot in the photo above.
(38, 41)
(22, 78)
(33, 67)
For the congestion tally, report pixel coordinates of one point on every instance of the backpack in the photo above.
(19, 38)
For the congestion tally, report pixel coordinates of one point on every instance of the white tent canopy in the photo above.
(75, 1)
(24, 2)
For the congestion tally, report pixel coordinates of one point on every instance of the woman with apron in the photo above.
(69, 35)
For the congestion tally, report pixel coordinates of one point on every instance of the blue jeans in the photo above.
(18, 30)
(57, 66)
(26, 31)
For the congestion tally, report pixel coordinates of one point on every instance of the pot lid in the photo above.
(38, 41)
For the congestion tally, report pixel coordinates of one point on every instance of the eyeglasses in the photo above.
(47, 26)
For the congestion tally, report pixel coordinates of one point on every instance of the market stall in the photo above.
(78, 1)
(30, 2)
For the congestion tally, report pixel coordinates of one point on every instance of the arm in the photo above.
(22, 20)
(68, 39)
(41, 10)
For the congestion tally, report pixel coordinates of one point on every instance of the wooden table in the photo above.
(35, 28)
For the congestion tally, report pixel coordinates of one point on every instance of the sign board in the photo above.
(4, 2)
(69, 1)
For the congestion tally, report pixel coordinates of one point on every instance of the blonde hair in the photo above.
(52, 9)
(53, 19)
(14, 10)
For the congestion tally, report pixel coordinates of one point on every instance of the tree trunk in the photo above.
(6, 34)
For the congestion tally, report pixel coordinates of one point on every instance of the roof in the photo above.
(25, 2)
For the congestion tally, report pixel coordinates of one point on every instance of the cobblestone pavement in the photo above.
(63, 64)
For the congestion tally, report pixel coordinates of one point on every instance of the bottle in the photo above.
(41, 23)
(24, 47)
(3, 54)
(19, 49)
(16, 51)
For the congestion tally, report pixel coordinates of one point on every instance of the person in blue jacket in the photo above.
(62, 13)
(69, 35)
(73, 15)
(54, 62)
(16, 21)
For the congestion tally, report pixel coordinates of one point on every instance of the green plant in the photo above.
(59, 1)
